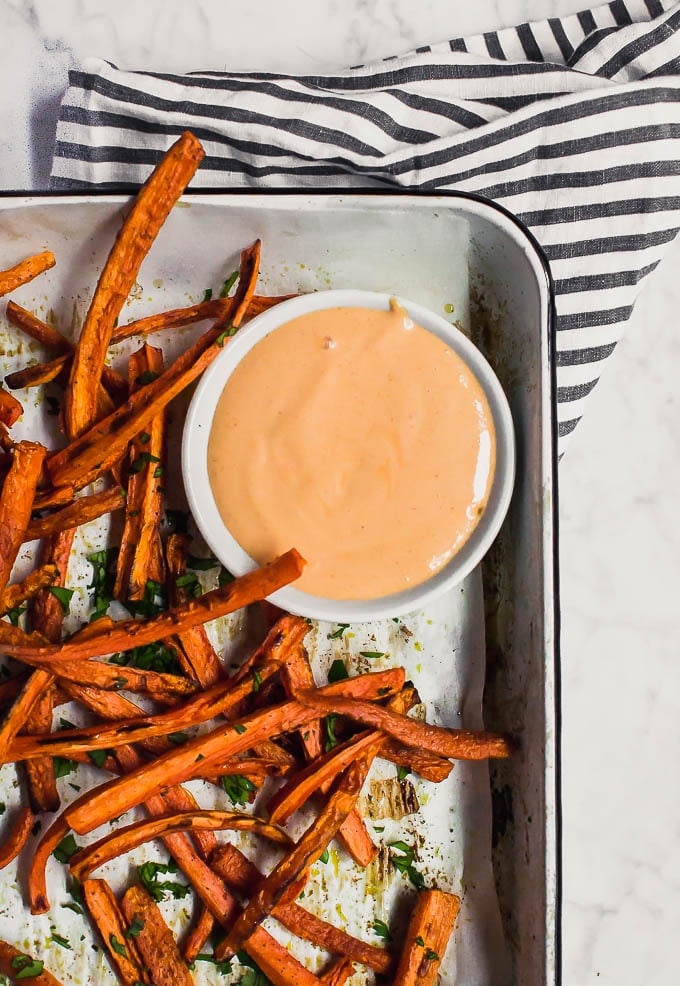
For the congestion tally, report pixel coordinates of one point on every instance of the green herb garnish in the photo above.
(338, 632)
(237, 787)
(337, 671)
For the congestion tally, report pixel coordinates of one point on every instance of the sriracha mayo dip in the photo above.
(360, 438)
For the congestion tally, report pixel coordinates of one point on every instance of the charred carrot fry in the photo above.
(199, 659)
(11, 688)
(15, 502)
(273, 888)
(200, 708)
(430, 766)
(215, 747)
(37, 375)
(155, 941)
(141, 556)
(10, 408)
(81, 511)
(13, 961)
(432, 920)
(142, 224)
(19, 592)
(457, 744)
(19, 831)
(169, 687)
(242, 875)
(25, 271)
(130, 836)
(95, 449)
(134, 633)
(109, 921)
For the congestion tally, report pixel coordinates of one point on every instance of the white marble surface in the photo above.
(620, 538)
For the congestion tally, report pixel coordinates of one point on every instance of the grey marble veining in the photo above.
(620, 550)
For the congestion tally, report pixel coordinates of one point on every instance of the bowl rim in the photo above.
(225, 548)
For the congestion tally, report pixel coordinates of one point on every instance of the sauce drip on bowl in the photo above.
(359, 438)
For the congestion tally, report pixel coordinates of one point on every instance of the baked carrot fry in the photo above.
(19, 592)
(274, 887)
(109, 921)
(297, 676)
(37, 873)
(81, 511)
(311, 778)
(199, 659)
(10, 408)
(197, 935)
(130, 836)
(429, 929)
(456, 744)
(140, 558)
(127, 634)
(17, 715)
(40, 373)
(94, 450)
(35, 328)
(19, 831)
(13, 960)
(115, 677)
(51, 498)
(178, 317)
(46, 616)
(155, 941)
(15, 503)
(430, 766)
(119, 795)
(25, 271)
(142, 224)
(242, 875)
(206, 705)
(276, 962)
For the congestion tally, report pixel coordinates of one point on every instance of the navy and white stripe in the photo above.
(573, 124)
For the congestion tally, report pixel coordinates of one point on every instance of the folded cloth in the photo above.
(571, 123)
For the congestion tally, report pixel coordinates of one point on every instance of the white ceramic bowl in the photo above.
(225, 548)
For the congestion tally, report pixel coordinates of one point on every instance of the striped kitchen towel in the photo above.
(572, 123)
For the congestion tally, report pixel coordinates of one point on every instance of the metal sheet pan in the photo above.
(449, 252)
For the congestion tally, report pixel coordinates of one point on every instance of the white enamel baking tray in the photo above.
(455, 254)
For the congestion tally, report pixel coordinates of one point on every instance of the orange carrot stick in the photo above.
(130, 836)
(457, 744)
(155, 941)
(14, 961)
(81, 511)
(93, 451)
(429, 929)
(197, 935)
(109, 921)
(10, 408)
(135, 633)
(19, 592)
(19, 831)
(142, 224)
(16, 501)
(198, 659)
(25, 271)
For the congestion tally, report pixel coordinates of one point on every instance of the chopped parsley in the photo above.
(58, 940)
(338, 632)
(103, 579)
(147, 377)
(381, 930)
(329, 728)
(324, 857)
(25, 967)
(143, 459)
(228, 284)
(63, 595)
(207, 295)
(257, 681)
(402, 773)
(239, 728)
(337, 671)
(63, 767)
(201, 564)
(116, 946)
(190, 584)
(373, 654)
(135, 928)
(237, 787)
(224, 968)
(228, 332)
(149, 657)
(148, 876)
(14, 614)
(99, 757)
(67, 847)
(403, 860)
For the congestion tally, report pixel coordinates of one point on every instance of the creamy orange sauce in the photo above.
(359, 438)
